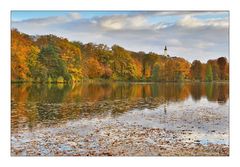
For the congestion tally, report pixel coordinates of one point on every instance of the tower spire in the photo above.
(165, 51)
(165, 48)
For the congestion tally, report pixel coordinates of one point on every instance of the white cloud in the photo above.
(160, 25)
(118, 22)
(74, 16)
(49, 20)
(204, 44)
(174, 42)
(192, 22)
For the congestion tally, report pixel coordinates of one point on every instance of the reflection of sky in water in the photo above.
(201, 120)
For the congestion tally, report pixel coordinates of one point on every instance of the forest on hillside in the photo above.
(48, 58)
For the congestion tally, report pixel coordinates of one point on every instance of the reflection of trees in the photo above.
(209, 90)
(96, 92)
(213, 91)
(19, 92)
(171, 91)
(223, 93)
(49, 94)
(38, 103)
(217, 92)
(19, 95)
(196, 91)
(30, 103)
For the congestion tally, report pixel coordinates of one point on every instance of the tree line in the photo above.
(48, 58)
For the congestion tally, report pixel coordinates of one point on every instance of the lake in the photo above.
(195, 115)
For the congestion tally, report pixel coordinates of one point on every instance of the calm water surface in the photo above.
(174, 106)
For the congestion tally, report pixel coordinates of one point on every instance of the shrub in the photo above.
(60, 79)
(50, 80)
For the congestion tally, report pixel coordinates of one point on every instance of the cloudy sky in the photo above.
(192, 35)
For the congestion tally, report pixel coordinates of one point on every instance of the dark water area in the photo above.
(36, 106)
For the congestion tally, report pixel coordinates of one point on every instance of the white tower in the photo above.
(165, 51)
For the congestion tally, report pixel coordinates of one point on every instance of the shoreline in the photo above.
(136, 133)
(112, 81)
(110, 140)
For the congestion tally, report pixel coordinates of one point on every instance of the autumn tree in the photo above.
(22, 49)
(196, 70)
(181, 69)
(141, 56)
(123, 65)
(94, 68)
(222, 64)
(151, 58)
(203, 71)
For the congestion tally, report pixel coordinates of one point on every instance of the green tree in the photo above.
(155, 72)
(67, 51)
(179, 77)
(209, 73)
(215, 69)
(56, 67)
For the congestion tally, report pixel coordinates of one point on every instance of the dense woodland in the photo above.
(48, 58)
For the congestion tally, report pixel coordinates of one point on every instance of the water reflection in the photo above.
(36, 105)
